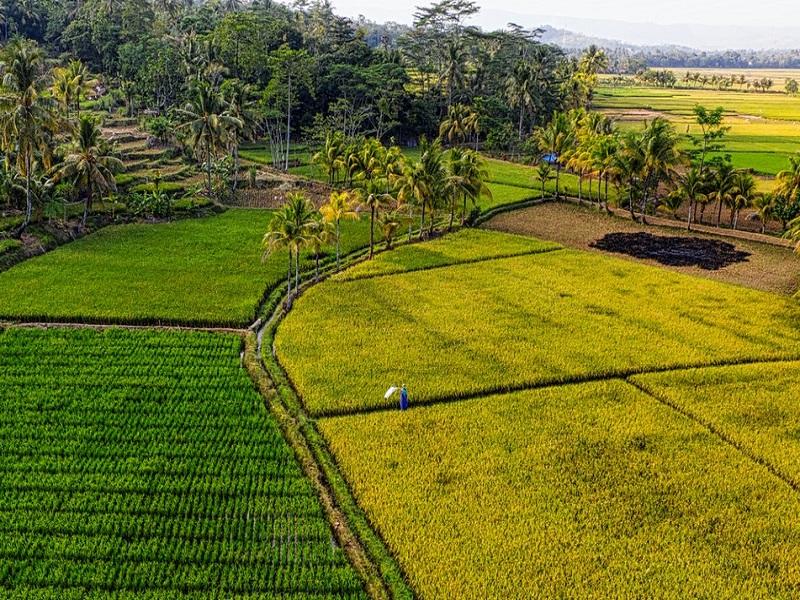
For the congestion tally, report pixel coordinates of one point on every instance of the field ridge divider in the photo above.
(500, 390)
(365, 550)
(719, 433)
(451, 265)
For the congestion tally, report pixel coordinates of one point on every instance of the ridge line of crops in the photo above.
(498, 390)
(365, 550)
(719, 433)
(470, 261)
(101, 326)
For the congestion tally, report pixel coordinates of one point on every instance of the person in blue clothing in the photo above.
(403, 398)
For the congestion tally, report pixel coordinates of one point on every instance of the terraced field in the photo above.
(579, 425)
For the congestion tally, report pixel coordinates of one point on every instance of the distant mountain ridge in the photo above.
(611, 33)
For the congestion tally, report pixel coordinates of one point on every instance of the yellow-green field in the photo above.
(505, 324)
(559, 442)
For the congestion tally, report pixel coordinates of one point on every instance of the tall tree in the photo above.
(557, 138)
(27, 118)
(90, 164)
(208, 122)
(340, 207)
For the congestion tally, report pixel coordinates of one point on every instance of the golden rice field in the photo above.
(586, 491)
(580, 426)
(500, 325)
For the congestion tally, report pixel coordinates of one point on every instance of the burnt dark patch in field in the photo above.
(710, 255)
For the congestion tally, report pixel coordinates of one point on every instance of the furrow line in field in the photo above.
(471, 261)
(719, 433)
(103, 326)
(565, 381)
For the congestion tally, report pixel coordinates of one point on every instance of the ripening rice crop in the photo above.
(593, 490)
(500, 325)
(464, 246)
(757, 407)
(144, 465)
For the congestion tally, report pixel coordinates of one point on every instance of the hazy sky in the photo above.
(705, 12)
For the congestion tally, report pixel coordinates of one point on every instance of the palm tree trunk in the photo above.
(580, 187)
(630, 201)
(288, 119)
(606, 194)
(29, 198)
(88, 208)
(371, 230)
(338, 245)
(208, 168)
(464, 213)
(719, 212)
(235, 166)
(297, 272)
(558, 174)
(689, 218)
(289, 282)
(452, 213)
(422, 222)
(316, 264)
(410, 220)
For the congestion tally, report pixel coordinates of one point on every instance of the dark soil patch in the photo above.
(707, 254)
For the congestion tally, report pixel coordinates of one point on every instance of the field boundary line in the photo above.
(365, 550)
(554, 383)
(450, 265)
(104, 326)
(719, 433)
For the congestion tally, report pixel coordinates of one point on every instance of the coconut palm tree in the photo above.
(557, 138)
(520, 90)
(722, 186)
(543, 174)
(374, 198)
(787, 181)
(89, 164)
(320, 235)
(628, 165)
(389, 223)
(28, 119)
(691, 188)
(306, 220)
(209, 124)
(82, 81)
(765, 205)
(412, 188)
(332, 155)
(238, 96)
(340, 206)
(282, 233)
(661, 157)
(64, 88)
(743, 195)
(466, 180)
(455, 125)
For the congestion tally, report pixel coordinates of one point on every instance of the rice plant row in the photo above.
(144, 464)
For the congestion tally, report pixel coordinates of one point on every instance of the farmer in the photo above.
(403, 398)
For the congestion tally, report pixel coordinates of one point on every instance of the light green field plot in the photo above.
(500, 325)
(144, 465)
(764, 127)
(586, 491)
(757, 407)
(195, 271)
(465, 246)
